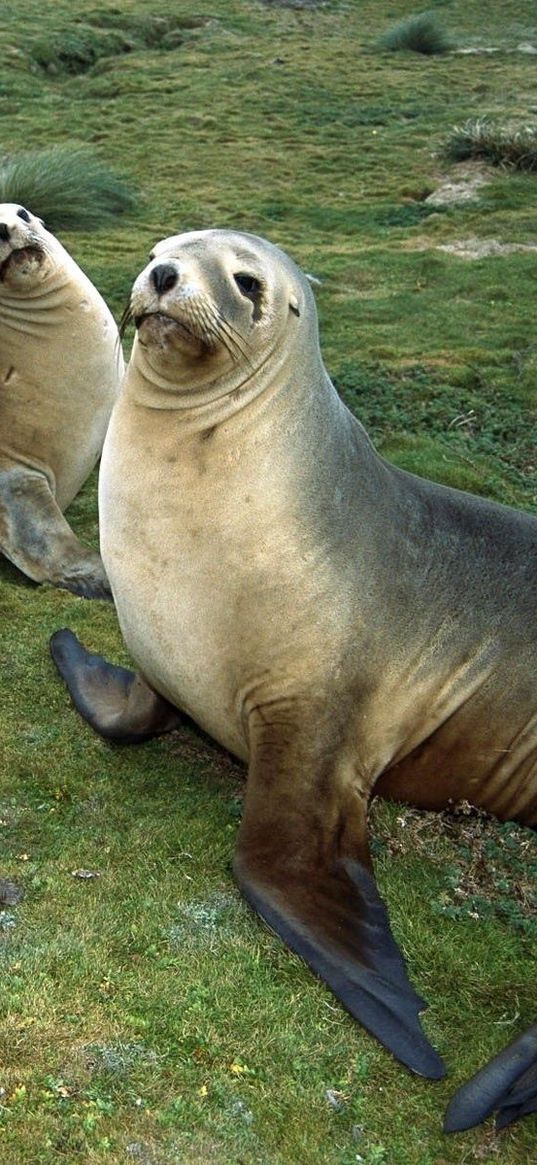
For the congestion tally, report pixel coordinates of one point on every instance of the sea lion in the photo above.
(60, 368)
(342, 626)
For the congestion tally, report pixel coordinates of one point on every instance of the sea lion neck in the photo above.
(44, 306)
(202, 393)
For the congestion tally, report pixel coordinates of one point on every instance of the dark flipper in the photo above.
(338, 924)
(507, 1085)
(301, 862)
(117, 702)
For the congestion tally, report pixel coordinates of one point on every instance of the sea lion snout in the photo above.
(164, 277)
(17, 225)
(21, 241)
(173, 307)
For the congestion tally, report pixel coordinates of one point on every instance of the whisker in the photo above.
(235, 341)
(126, 319)
(118, 349)
(217, 331)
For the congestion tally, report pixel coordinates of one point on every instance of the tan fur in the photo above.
(284, 561)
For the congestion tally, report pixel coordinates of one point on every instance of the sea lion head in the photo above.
(24, 247)
(216, 301)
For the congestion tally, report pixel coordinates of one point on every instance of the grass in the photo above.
(511, 146)
(85, 43)
(68, 186)
(147, 1015)
(421, 33)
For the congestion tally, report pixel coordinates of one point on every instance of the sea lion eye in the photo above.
(22, 213)
(247, 284)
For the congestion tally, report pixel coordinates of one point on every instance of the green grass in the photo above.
(147, 1015)
(100, 35)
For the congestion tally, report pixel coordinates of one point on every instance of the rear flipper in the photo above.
(302, 862)
(507, 1085)
(117, 702)
(336, 921)
(37, 539)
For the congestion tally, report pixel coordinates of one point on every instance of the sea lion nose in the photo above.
(163, 277)
(4, 232)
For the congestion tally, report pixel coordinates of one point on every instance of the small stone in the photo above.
(335, 1099)
(240, 1108)
(10, 894)
(7, 920)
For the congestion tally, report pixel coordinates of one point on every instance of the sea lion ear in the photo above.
(293, 304)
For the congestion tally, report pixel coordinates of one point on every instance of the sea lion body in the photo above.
(342, 626)
(299, 565)
(60, 368)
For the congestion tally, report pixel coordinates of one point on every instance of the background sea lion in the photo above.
(61, 364)
(341, 625)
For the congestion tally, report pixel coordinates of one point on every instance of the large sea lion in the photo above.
(342, 626)
(60, 368)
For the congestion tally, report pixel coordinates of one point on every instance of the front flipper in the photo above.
(507, 1085)
(117, 702)
(37, 539)
(301, 862)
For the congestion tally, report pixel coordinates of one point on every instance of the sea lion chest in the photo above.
(60, 365)
(215, 577)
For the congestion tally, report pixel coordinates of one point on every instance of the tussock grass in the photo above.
(69, 187)
(510, 146)
(421, 33)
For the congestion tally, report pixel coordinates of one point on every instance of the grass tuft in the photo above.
(77, 49)
(67, 186)
(416, 34)
(81, 46)
(511, 146)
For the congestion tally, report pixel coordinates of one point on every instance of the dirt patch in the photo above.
(475, 248)
(488, 50)
(454, 192)
(489, 869)
(298, 4)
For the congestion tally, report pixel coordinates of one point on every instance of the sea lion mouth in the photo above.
(31, 254)
(160, 317)
(157, 329)
(201, 330)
